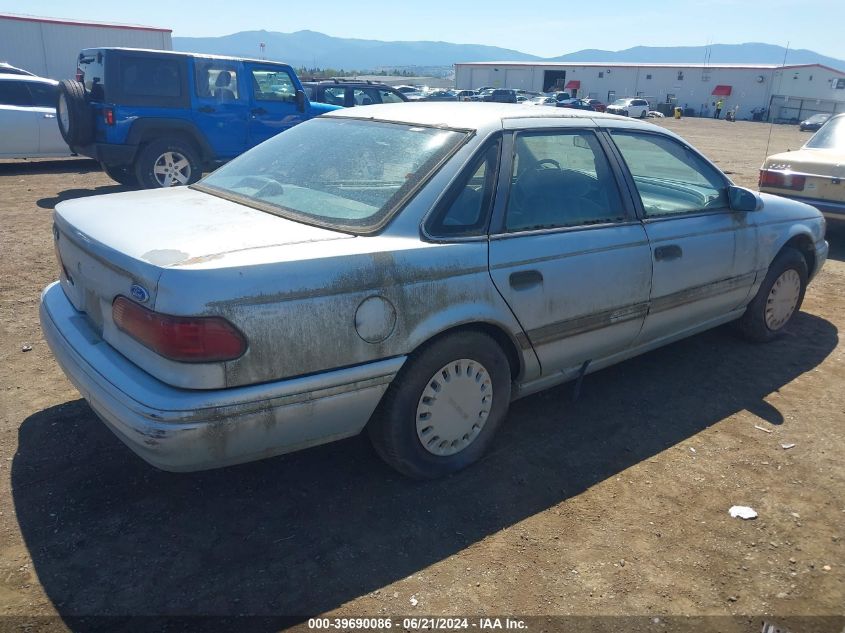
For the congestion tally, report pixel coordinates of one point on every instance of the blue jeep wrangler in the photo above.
(158, 118)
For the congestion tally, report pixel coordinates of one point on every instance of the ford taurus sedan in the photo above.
(427, 267)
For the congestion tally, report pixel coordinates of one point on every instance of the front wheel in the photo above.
(779, 298)
(167, 163)
(441, 412)
(644, 114)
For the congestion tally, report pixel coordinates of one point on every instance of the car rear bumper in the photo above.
(185, 430)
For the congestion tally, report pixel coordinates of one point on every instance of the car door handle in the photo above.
(525, 279)
(668, 253)
(258, 111)
(206, 109)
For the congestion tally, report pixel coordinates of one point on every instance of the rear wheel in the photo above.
(167, 163)
(123, 175)
(75, 118)
(779, 298)
(441, 412)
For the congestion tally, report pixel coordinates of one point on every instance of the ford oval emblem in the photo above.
(139, 293)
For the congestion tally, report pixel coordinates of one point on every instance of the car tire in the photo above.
(426, 437)
(778, 300)
(123, 175)
(167, 163)
(75, 118)
(644, 114)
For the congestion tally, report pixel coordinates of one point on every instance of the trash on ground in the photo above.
(742, 512)
(786, 445)
(26, 347)
(414, 602)
(760, 428)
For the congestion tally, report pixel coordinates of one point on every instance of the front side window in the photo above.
(14, 93)
(670, 178)
(366, 96)
(561, 179)
(335, 96)
(216, 80)
(341, 173)
(273, 85)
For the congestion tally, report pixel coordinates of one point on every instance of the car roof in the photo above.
(31, 78)
(185, 54)
(466, 115)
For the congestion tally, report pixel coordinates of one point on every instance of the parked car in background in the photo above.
(815, 173)
(466, 95)
(28, 118)
(8, 69)
(158, 118)
(351, 93)
(501, 95)
(544, 101)
(598, 106)
(814, 122)
(560, 96)
(636, 108)
(440, 95)
(576, 104)
(480, 253)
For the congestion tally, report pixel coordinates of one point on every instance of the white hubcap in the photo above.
(454, 407)
(172, 169)
(782, 299)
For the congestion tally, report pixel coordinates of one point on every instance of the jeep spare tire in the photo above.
(76, 119)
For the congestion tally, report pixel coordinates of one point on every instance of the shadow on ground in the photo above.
(836, 239)
(57, 166)
(307, 532)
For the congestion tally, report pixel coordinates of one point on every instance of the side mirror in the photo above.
(300, 100)
(744, 199)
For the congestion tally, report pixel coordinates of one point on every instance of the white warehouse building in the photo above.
(49, 47)
(788, 93)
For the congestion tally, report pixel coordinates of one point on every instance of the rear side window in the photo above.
(150, 77)
(14, 93)
(388, 96)
(216, 80)
(43, 95)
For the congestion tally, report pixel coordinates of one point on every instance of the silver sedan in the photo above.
(409, 270)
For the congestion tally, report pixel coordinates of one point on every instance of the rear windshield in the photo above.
(346, 174)
(91, 72)
(830, 136)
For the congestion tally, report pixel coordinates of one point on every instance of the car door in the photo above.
(44, 96)
(703, 252)
(569, 256)
(272, 102)
(221, 105)
(18, 120)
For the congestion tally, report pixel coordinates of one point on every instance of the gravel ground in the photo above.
(616, 504)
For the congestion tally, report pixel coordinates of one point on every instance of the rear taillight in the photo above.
(80, 76)
(184, 339)
(782, 180)
(108, 116)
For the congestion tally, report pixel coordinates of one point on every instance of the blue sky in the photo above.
(542, 27)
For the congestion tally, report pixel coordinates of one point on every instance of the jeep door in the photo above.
(272, 92)
(221, 107)
(569, 255)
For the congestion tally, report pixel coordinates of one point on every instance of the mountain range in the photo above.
(318, 50)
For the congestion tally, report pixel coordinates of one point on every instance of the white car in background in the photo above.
(28, 126)
(635, 108)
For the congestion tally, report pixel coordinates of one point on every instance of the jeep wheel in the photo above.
(75, 118)
(123, 175)
(167, 163)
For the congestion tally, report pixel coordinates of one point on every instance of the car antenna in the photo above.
(771, 119)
